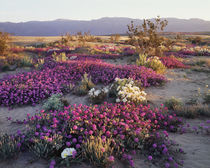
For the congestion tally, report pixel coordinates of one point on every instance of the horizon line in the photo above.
(98, 19)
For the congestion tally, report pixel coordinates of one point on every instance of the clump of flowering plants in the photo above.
(151, 62)
(172, 62)
(31, 87)
(96, 56)
(195, 51)
(118, 129)
(156, 64)
(127, 90)
(97, 96)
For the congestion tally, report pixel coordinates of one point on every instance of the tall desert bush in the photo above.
(4, 40)
(146, 38)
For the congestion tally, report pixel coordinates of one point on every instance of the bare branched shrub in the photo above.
(80, 37)
(146, 37)
(65, 40)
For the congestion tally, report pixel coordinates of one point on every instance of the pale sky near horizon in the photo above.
(27, 10)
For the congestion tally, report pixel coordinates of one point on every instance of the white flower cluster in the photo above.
(98, 95)
(198, 49)
(73, 57)
(201, 49)
(67, 152)
(129, 92)
(96, 92)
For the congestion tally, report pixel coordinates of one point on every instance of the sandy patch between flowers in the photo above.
(182, 84)
(196, 147)
(18, 113)
(18, 70)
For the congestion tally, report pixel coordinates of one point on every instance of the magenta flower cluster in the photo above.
(178, 54)
(31, 87)
(194, 53)
(96, 56)
(128, 51)
(172, 62)
(120, 122)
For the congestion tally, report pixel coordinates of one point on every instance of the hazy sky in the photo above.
(25, 10)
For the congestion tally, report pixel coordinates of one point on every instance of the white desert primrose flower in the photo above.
(117, 79)
(124, 100)
(97, 92)
(117, 100)
(67, 152)
(106, 90)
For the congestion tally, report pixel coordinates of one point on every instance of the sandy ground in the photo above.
(36, 39)
(18, 113)
(196, 147)
(31, 40)
(182, 84)
(18, 70)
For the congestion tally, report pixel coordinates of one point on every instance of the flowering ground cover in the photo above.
(100, 134)
(31, 87)
(96, 56)
(177, 54)
(125, 50)
(186, 52)
(172, 62)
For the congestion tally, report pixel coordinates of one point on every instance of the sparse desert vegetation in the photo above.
(82, 100)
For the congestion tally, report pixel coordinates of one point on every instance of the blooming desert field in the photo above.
(86, 101)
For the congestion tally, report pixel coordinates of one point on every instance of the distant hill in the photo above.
(103, 26)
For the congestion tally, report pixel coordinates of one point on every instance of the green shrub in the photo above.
(172, 103)
(54, 102)
(152, 62)
(192, 111)
(195, 40)
(26, 61)
(5, 67)
(200, 63)
(142, 61)
(9, 147)
(200, 97)
(206, 97)
(47, 147)
(85, 85)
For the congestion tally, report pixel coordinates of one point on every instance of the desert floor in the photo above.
(181, 84)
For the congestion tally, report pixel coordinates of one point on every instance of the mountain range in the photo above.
(102, 26)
